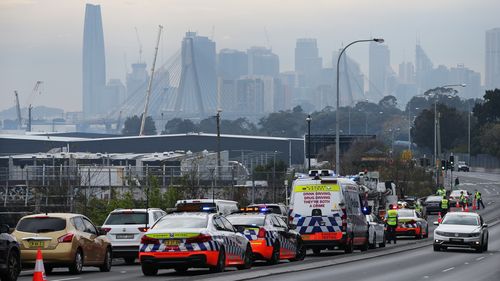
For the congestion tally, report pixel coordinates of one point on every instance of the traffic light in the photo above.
(443, 165)
(452, 162)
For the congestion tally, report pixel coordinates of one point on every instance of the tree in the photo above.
(133, 126)
(289, 123)
(179, 126)
(489, 111)
(490, 139)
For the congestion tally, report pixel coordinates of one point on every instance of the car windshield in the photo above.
(246, 220)
(462, 220)
(41, 224)
(457, 193)
(127, 218)
(172, 222)
(406, 213)
(433, 198)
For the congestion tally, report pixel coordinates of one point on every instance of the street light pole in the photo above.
(308, 119)
(217, 116)
(337, 113)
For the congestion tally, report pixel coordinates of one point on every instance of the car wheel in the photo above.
(364, 247)
(275, 257)
(419, 236)
(300, 252)
(382, 245)
(373, 245)
(77, 266)
(221, 262)
(106, 264)
(485, 248)
(48, 269)
(13, 267)
(149, 269)
(349, 247)
(247, 259)
(129, 261)
(437, 248)
(426, 235)
(181, 269)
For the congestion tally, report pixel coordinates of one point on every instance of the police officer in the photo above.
(391, 220)
(462, 199)
(441, 191)
(479, 200)
(445, 206)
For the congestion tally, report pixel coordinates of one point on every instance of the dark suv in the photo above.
(10, 258)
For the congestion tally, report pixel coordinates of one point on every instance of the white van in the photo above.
(222, 207)
(328, 213)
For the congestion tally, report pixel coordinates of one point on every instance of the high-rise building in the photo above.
(112, 96)
(262, 61)
(492, 59)
(137, 80)
(197, 92)
(94, 66)
(231, 64)
(379, 69)
(423, 69)
(307, 61)
(250, 95)
(464, 75)
(406, 73)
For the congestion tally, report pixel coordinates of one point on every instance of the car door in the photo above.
(379, 228)
(288, 240)
(84, 239)
(95, 244)
(236, 241)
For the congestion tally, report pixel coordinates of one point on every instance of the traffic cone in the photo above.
(466, 207)
(458, 205)
(439, 218)
(474, 204)
(39, 274)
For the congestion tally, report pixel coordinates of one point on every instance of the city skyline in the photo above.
(54, 56)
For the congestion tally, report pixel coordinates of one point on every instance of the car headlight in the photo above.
(440, 233)
(474, 234)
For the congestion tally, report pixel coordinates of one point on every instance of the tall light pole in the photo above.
(217, 116)
(308, 119)
(337, 113)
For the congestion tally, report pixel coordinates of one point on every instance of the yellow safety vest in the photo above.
(392, 217)
(444, 204)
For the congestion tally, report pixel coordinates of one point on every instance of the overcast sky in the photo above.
(42, 39)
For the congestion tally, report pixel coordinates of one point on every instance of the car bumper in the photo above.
(433, 209)
(125, 251)
(408, 231)
(460, 242)
(326, 239)
(260, 249)
(64, 253)
(172, 259)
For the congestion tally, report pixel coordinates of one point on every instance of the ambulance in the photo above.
(328, 213)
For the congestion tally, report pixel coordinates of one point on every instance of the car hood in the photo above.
(458, 228)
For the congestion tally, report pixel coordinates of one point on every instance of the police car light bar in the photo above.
(255, 210)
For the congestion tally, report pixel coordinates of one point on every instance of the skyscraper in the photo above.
(423, 69)
(94, 65)
(492, 63)
(137, 80)
(379, 69)
(262, 61)
(231, 64)
(307, 61)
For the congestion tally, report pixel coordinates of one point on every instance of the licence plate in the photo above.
(456, 240)
(171, 242)
(36, 244)
(124, 236)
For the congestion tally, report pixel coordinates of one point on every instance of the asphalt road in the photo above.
(421, 263)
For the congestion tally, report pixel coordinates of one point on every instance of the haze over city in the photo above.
(42, 40)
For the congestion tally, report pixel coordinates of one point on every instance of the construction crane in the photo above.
(150, 84)
(267, 39)
(18, 110)
(36, 88)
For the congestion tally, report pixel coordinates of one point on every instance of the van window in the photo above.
(41, 224)
(353, 206)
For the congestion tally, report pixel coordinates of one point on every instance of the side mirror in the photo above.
(485, 225)
(436, 223)
(292, 226)
(4, 228)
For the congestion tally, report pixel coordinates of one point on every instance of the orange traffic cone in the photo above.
(440, 219)
(458, 205)
(466, 207)
(39, 274)
(474, 204)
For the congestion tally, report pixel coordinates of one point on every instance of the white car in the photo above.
(455, 197)
(125, 228)
(376, 231)
(462, 230)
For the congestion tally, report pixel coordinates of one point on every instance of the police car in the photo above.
(269, 235)
(185, 240)
(411, 223)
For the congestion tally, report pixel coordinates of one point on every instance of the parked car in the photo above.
(462, 230)
(432, 204)
(222, 207)
(10, 256)
(455, 197)
(125, 228)
(411, 223)
(376, 231)
(195, 239)
(67, 240)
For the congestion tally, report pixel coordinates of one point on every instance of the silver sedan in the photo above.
(462, 230)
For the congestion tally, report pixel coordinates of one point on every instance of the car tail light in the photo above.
(199, 239)
(143, 229)
(66, 238)
(149, 240)
(262, 233)
(106, 229)
(344, 220)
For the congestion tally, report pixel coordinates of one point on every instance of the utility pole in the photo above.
(217, 116)
(150, 84)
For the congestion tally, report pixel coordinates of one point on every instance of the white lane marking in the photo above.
(487, 190)
(123, 271)
(66, 279)
(448, 269)
(466, 262)
(425, 277)
(480, 258)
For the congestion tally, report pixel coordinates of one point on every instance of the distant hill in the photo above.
(38, 112)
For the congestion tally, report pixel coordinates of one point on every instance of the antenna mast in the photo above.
(150, 85)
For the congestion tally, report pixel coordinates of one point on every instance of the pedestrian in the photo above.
(462, 199)
(391, 220)
(445, 206)
(479, 200)
(457, 182)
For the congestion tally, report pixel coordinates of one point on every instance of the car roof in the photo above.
(205, 201)
(256, 214)
(135, 210)
(54, 215)
(189, 214)
(463, 214)
(458, 191)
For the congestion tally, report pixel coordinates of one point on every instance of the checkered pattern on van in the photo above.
(314, 224)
